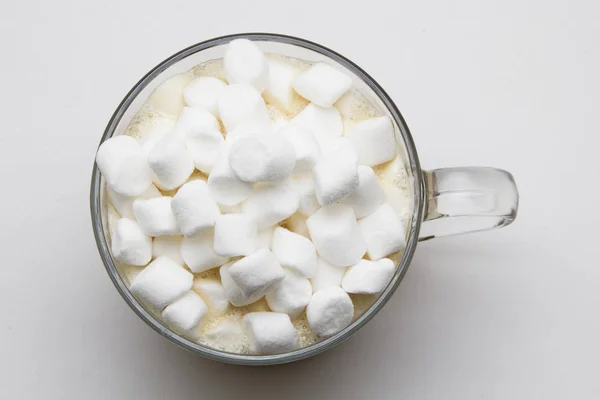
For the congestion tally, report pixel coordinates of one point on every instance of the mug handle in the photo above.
(468, 199)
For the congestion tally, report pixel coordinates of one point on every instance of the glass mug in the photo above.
(445, 201)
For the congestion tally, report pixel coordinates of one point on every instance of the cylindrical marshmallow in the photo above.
(329, 311)
(322, 84)
(168, 246)
(335, 176)
(244, 62)
(232, 291)
(305, 146)
(204, 92)
(374, 141)
(295, 252)
(194, 208)
(257, 273)
(124, 204)
(198, 253)
(170, 161)
(270, 204)
(155, 216)
(327, 275)
(383, 232)
(186, 314)
(368, 196)
(225, 187)
(235, 235)
(213, 294)
(290, 295)
(368, 277)
(270, 333)
(242, 104)
(130, 244)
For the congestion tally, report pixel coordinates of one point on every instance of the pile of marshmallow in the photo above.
(259, 175)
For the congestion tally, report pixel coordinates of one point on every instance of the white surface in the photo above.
(511, 314)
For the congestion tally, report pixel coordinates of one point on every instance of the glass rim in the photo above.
(419, 207)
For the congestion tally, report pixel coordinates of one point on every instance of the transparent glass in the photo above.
(454, 196)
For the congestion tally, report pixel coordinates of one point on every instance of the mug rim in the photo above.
(419, 207)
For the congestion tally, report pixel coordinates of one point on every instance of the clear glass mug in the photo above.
(446, 201)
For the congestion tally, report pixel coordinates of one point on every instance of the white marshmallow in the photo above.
(204, 92)
(291, 295)
(305, 187)
(213, 294)
(242, 104)
(225, 187)
(194, 208)
(168, 246)
(168, 96)
(335, 176)
(262, 157)
(198, 253)
(170, 161)
(235, 235)
(322, 84)
(155, 216)
(151, 131)
(374, 140)
(297, 224)
(270, 204)
(368, 277)
(336, 235)
(305, 145)
(257, 273)
(264, 238)
(279, 89)
(327, 275)
(295, 252)
(383, 231)
(161, 282)
(186, 313)
(329, 311)
(270, 333)
(129, 243)
(226, 335)
(245, 63)
(123, 204)
(369, 194)
(123, 164)
(236, 209)
(324, 123)
(232, 291)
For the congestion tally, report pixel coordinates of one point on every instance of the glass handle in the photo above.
(468, 199)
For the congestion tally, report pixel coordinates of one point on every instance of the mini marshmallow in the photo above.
(245, 63)
(270, 333)
(327, 275)
(305, 187)
(335, 176)
(123, 204)
(213, 294)
(324, 123)
(262, 157)
(374, 140)
(170, 161)
(226, 334)
(257, 273)
(336, 235)
(232, 291)
(322, 84)
(329, 311)
(168, 96)
(235, 235)
(129, 243)
(123, 164)
(225, 187)
(156, 217)
(295, 252)
(383, 231)
(168, 246)
(291, 295)
(279, 89)
(369, 194)
(242, 104)
(368, 277)
(186, 313)
(204, 92)
(161, 282)
(198, 253)
(151, 131)
(264, 238)
(270, 204)
(305, 146)
(297, 224)
(194, 208)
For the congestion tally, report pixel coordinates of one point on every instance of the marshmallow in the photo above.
(327, 275)
(336, 235)
(122, 163)
(305, 146)
(245, 63)
(242, 104)
(170, 161)
(368, 277)
(156, 217)
(322, 84)
(329, 311)
(270, 204)
(225, 187)
(335, 176)
(305, 187)
(167, 97)
(194, 208)
(262, 157)
(236, 209)
(232, 291)
(186, 313)
(264, 238)
(383, 232)
(291, 295)
(213, 294)
(368, 196)
(123, 204)
(168, 246)
(374, 140)
(295, 252)
(129, 243)
(279, 89)
(297, 224)
(198, 253)
(227, 334)
(257, 273)
(204, 92)
(153, 129)
(270, 333)
(161, 282)
(324, 123)
(235, 235)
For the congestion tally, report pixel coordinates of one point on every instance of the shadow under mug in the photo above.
(445, 201)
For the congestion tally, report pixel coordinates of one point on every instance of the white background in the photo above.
(509, 314)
